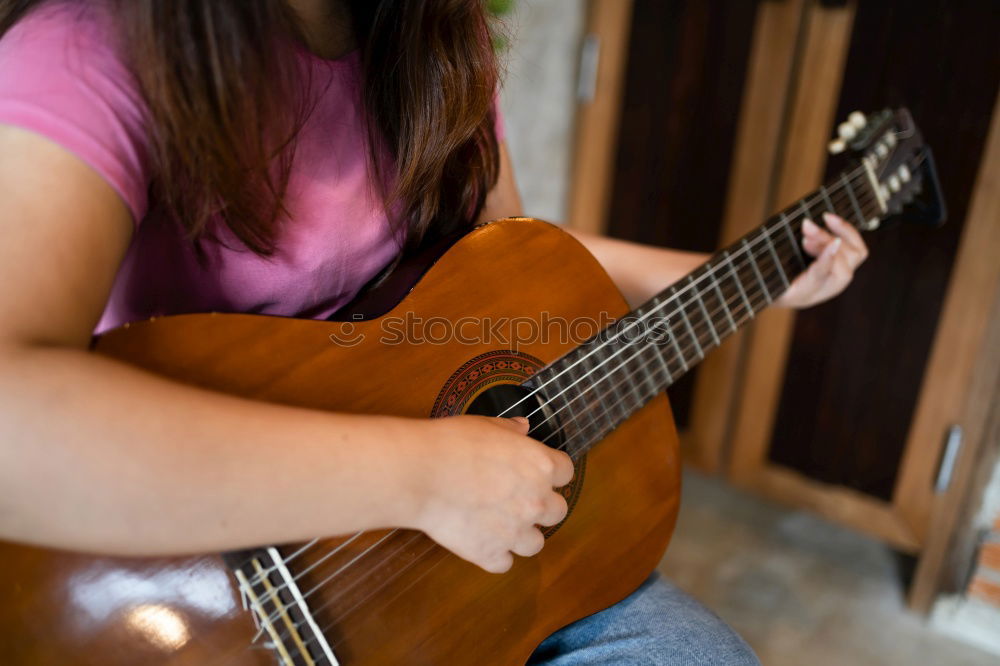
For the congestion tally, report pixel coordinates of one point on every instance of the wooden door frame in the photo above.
(906, 520)
(776, 45)
(792, 86)
(962, 375)
(763, 113)
(821, 57)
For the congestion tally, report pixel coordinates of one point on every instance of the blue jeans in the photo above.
(657, 624)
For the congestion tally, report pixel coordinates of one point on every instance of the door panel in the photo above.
(856, 364)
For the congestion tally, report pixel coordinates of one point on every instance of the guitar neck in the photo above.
(591, 390)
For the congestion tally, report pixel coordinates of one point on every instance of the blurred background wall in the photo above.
(539, 100)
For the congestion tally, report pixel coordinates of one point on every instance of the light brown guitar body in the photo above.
(426, 606)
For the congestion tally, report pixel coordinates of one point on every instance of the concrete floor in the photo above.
(799, 589)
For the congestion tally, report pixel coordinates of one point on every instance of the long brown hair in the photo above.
(217, 77)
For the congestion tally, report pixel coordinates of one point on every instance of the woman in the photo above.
(272, 156)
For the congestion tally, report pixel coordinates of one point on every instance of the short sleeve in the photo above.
(61, 76)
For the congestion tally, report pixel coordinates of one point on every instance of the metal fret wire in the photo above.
(747, 314)
(856, 175)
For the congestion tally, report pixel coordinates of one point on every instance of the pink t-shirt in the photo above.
(61, 75)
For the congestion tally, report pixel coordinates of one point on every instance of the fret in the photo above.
(626, 366)
(708, 318)
(774, 256)
(736, 279)
(589, 412)
(594, 367)
(648, 354)
(680, 353)
(826, 197)
(722, 301)
(556, 397)
(616, 375)
(862, 218)
(760, 278)
(694, 338)
(668, 376)
(691, 292)
(568, 401)
(635, 350)
(803, 207)
(792, 239)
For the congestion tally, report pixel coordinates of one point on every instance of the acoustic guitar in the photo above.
(514, 318)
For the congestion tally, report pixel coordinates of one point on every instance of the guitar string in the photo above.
(769, 288)
(858, 204)
(735, 300)
(747, 315)
(858, 173)
(639, 349)
(759, 294)
(782, 240)
(432, 546)
(700, 340)
(744, 248)
(548, 399)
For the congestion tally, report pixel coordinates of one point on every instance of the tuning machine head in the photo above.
(848, 132)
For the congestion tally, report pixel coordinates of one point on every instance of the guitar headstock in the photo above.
(889, 147)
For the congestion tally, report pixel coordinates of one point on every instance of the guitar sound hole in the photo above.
(500, 398)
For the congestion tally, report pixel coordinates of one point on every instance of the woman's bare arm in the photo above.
(99, 456)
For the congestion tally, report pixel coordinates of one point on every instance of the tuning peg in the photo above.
(857, 120)
(846, 131)
(836, 146)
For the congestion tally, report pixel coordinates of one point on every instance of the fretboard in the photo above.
(590, 391)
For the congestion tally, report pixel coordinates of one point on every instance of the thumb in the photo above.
(518, 424)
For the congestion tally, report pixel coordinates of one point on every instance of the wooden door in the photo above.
(840, 409)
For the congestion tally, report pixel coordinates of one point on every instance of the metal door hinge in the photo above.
(949, 456)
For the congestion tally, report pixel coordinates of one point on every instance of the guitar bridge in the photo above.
(284, 623)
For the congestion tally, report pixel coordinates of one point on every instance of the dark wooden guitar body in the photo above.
(426, 606)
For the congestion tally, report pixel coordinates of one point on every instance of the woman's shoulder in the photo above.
(64, 75)
(58, 28)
